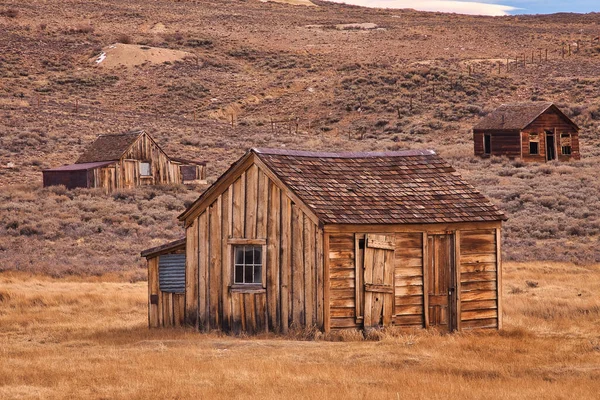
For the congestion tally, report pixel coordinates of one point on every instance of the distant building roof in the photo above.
(517, 116)
(401, 187)
(109, 147)
(187, 161)
(80, 167)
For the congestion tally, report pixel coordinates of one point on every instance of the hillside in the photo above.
(333, 77)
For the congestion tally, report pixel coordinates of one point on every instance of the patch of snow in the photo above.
(101, 58)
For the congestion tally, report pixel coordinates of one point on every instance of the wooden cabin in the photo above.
(124, 161)
(288, 239)
(536, 132)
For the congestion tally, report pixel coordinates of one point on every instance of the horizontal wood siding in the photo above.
(551, 121)
(541, 157)
(408, 280)
(503, 143)
(342, 281)
(253, 207)
(478, 293)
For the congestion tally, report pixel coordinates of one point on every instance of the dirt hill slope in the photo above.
(286, 75)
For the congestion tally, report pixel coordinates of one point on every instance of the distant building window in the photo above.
(247, 264)
(565, 144)
(487, 144)
(534, 148)
(145, 169)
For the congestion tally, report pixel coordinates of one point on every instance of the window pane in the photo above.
(249, 259)
(533, 148)
(144, 169)
(257, 274)
(239, 255)
(239, 274)
(248, 274)
(257, 255)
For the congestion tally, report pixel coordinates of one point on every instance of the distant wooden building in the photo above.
(536, 132)
(124, 161)
(334, 240)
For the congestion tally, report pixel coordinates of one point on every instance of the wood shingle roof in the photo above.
(402, 187)
(517, 116)
(109, 147)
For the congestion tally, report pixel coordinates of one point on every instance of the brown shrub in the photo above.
(9, 13)
(124, 38)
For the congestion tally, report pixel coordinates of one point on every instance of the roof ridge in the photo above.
(344, 154)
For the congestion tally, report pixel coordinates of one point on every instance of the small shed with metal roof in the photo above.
(121, 161)
(537, 132)
(295, 239)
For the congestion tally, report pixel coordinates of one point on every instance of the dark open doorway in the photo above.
(550, 149)
(487, 144)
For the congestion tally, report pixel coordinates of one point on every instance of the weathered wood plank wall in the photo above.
(126, 174)
(408, 277)
(478, 271)
(169, 308)
(552, 122)
(503, 143)
(477, 259)
(253, 208)
(342, 280)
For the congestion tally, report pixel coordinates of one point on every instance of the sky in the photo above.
(485, 7)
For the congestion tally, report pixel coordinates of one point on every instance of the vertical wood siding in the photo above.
(253, 207)
(127, 171)
(169, 311)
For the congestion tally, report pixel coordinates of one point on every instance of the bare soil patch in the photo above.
(130, 55)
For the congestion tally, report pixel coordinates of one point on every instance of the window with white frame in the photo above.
(248, 266)
(145, 169)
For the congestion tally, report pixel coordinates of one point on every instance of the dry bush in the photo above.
(85, 232)
(9, 13)
(79, 29)
(124, 38)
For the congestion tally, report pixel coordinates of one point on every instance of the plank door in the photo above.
(378, 280)
(441, 282)
(129, 173)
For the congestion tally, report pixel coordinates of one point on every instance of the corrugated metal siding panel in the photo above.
(171, 273)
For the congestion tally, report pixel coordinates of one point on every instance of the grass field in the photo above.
(87, 338)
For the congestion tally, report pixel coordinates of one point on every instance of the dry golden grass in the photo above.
(80, 338)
